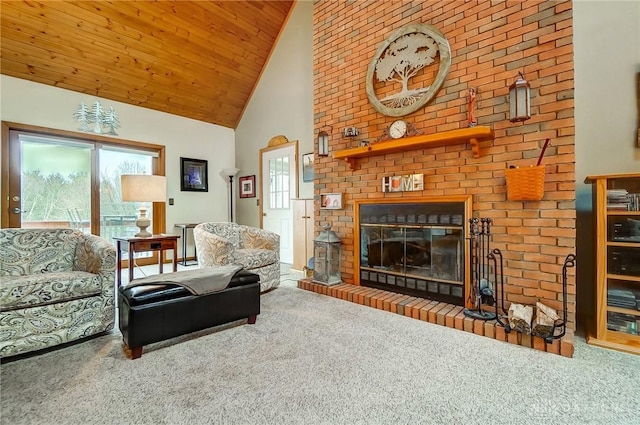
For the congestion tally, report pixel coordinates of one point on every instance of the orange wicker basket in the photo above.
(525, 183)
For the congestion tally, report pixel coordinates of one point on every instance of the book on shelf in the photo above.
(622, 200)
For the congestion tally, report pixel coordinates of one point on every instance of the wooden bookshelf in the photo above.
(616, 264)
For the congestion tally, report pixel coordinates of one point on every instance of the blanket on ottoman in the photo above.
(198, 282)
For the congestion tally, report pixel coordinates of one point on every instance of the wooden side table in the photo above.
(134, 244)
(184, 227)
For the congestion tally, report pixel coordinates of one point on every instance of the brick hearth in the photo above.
(443, 314)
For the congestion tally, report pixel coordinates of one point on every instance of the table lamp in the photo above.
(143, 188)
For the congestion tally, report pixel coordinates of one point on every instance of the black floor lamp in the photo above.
(230, 173)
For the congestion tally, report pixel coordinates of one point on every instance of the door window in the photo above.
(56, 183)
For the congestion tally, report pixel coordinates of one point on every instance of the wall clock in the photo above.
(398, 129)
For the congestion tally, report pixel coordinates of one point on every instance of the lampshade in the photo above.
(143, 188)
(230, 172)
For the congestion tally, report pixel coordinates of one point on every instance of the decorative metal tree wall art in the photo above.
(397, 74)
(83, 116)
(111, 121)
(100, 118)
(97, 115)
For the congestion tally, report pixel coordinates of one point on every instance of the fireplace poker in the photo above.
(498, 274)
(479, 248)
(544, 148)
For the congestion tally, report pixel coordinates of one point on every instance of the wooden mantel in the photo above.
(472, 135)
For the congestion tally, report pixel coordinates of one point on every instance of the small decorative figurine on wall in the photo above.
(471, 112)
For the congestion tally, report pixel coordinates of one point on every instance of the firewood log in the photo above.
(520, 317)
(545, 318)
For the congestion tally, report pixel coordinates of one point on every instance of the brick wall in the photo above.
(490, 42)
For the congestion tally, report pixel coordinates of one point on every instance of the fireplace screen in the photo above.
(416, 249)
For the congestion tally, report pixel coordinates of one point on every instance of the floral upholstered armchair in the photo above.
(257, 250)
(56, 286)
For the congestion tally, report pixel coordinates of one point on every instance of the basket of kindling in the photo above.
(526, 183)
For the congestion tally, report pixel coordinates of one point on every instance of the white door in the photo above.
(279, 186)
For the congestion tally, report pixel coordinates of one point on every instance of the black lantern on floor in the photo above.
(326, 257)
(519, 100)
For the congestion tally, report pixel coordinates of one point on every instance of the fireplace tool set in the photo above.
(487, 276)
(485, 264)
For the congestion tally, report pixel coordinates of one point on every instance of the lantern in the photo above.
(326, 257)
(519, 100)
(323, 143)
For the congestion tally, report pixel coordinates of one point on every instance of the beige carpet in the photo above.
(312, 359)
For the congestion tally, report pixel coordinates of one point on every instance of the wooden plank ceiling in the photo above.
(196, 59)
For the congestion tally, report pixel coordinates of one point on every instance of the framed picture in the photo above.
(331, 201)
(194, 175)
(307, 167)
(248, 186)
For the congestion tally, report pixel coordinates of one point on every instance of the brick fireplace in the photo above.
(490, 42)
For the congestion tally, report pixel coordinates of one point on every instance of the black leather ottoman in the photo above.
(155, 312)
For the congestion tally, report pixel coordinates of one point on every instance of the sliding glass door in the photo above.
(61, 179)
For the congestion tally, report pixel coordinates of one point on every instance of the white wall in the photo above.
(282, 104)
(31, 103)
(606, 58)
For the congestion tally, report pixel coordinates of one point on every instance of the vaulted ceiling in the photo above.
(196, 59)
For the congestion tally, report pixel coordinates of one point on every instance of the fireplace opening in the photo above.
(414, 247)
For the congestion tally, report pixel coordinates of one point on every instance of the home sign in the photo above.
(405, 183)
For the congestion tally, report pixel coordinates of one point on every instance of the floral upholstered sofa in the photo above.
(56, 286)
(257, 250)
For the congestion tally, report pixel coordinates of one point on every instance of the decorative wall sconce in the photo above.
(323, 143)
(519, 100)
